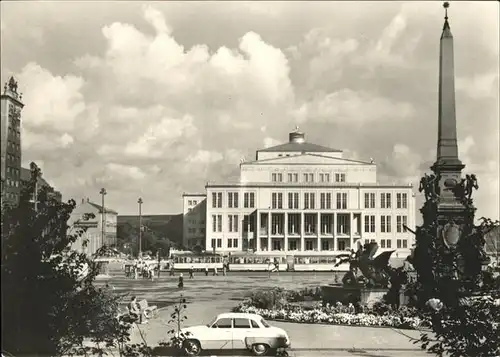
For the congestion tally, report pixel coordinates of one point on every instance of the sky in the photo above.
(154, 99)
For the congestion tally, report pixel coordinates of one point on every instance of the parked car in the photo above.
(235, 331)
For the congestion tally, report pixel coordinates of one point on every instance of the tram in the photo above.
(188, 260)
(247, 261)
(317, 262)
(298, 261)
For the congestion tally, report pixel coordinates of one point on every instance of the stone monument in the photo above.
(449, 247)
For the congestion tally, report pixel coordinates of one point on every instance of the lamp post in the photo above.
(139, 201)
(103, 216)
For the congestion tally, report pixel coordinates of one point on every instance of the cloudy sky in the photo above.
(154, 99)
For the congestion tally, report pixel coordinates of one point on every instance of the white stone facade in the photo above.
(306, 200)
(193, 220)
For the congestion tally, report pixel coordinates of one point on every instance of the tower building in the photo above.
(10, 170)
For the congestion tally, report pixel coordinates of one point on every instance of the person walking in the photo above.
(206, 271)
(181, 281)
(215, 271)
(191, 272)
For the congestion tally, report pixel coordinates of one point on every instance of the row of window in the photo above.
(310, 224)
(12, 183)
(307, 177)
(13, 158)
(14, 145)
(293, 244)
(309, 200)
(11, 196)
(385, 224)
(14, 133)
(13, 171)
(192, 202)
(194, 221)
(233, 223)
(386, 200)
(233, 200)
(193, 230)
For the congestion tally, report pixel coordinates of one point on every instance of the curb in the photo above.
(344, 325)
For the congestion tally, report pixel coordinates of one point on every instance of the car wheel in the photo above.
(260, 349)
(191, 347)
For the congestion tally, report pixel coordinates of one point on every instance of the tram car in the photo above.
(247, 261)
(183, 261)
(318, 262)
(299, 261)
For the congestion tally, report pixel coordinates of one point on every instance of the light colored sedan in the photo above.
(235, 331)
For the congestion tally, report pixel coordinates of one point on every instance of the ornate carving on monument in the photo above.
(12, 85)
(463, 190)
(430, 185)
(451, 234)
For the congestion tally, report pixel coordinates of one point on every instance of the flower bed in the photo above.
(334, 315)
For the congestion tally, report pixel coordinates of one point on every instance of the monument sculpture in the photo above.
(449, 248)
(375, 271)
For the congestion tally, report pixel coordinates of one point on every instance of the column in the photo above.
(335, 217)
(351, 243)
(318, 231)
(302, 232)
(334, 222)
(257, 231)
(285, 231)
(269, 230)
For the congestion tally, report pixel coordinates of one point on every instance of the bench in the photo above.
(149, 311)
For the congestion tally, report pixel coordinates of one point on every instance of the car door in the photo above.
(221, 335)
(241, 330)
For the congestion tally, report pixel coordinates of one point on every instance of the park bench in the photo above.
(149, 311)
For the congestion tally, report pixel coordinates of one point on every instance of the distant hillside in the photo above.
(167, 226)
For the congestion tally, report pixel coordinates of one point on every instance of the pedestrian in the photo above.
(215, 271)
(171, 269)
(181, 281)
(191, 272)
(206, 271)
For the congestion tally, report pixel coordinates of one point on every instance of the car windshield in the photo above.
(212, 322)
(264, 323)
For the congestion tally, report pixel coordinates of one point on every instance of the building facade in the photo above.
(193, 220)
(10, 143)
(51, 192)
(92, 239)
(303, 197)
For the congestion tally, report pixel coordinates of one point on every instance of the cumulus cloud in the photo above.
(349, 106)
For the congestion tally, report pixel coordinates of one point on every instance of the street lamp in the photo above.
(103, 216)
(139, 201)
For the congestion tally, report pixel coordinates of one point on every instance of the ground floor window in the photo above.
(292, 245)
(341, 245)
(309, 245)
(325, 245)
(276, 245)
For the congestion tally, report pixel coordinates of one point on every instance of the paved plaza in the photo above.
(209, 296)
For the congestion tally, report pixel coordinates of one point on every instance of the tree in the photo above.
(49, 302)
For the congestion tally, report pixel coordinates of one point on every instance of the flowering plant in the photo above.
(337, 314)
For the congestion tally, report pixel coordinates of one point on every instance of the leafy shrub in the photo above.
(269, 299)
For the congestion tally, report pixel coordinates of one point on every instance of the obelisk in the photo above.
(448, 167)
